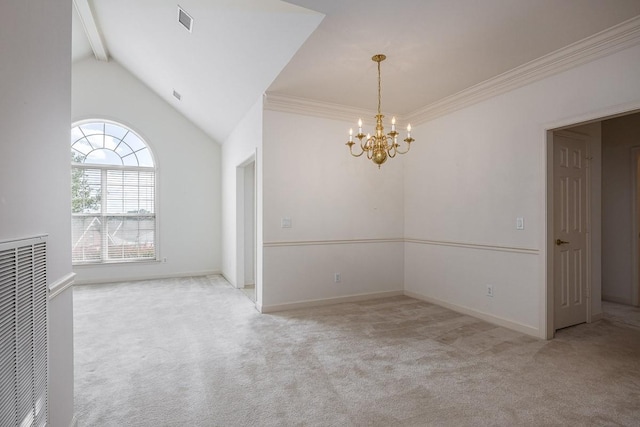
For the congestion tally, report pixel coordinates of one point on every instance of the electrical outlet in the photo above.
(336, 277)
(164, 260)
(490, 290)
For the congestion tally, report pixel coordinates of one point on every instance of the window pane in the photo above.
(82, 146)
(144, 158)
(130, 191)
(86, 190)
(76, 134)
(131, 237)
(94, 128)
(110, 142)
(123, 149)
(96, 141)
(130, 160)
(134, 142)
(103, 157)
(117, 132)
(86, 238)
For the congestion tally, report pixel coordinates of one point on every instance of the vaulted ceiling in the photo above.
(321, 49)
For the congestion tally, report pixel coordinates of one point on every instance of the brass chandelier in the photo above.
(379, 147)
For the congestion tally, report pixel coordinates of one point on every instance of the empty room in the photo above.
(319, 213)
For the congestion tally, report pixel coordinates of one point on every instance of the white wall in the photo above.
(188, 172)
(346, 215)
(619, 135)
(475, 170)
(243, 145)
(35, 65)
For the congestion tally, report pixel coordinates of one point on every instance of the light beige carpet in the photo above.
(194, 352)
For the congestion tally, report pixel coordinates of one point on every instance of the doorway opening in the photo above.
(246, 236)
(593, 218)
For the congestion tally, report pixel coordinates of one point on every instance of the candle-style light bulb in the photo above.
(409, 131)
(350, 135)
(359, 126)
(393, 124)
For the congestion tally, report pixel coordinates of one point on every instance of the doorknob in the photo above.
(561, 242)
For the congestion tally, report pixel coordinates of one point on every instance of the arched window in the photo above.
(113, 195)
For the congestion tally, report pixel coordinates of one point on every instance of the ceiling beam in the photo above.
(91, 29)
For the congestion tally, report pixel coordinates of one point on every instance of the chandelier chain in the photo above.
(379, 89)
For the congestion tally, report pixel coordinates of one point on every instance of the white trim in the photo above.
(149, 277)
(525, 329)
(326, 301)
(606, 113)
(91, 29)
(311, 107)
(468, 245)
(635, 268)
(61, 285)
(31, 240)
(74, 421)
(546, 209)
(611, 40)
(330, 242)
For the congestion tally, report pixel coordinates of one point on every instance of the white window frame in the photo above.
(104, 214)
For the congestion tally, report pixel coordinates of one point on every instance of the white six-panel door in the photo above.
(570, 230)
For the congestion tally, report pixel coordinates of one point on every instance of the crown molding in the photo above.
(311, 107)
(604, 43)
(611, 40)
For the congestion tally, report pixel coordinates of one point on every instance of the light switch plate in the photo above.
(519, 223)
(285, 222)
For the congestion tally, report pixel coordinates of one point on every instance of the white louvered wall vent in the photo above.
(23, 332)
(185, 19)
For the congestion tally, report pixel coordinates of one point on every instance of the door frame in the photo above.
(635, 226)
(547, 329)
(240, 221)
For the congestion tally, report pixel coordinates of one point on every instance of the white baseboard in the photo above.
(149, 277)
(326, 301)
(478, 314)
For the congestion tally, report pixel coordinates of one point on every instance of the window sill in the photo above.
(112, 263)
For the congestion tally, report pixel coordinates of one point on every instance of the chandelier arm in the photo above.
(356, 155)
(368, 146)
(393, 148)
(405, 151)
(351, 144)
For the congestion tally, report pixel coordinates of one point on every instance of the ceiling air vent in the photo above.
(185, 19)
(177, 95)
